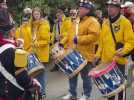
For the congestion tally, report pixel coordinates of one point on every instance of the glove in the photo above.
(35, 86)
(75, 40)
(96, 61)
(36, 83)
(20, 43)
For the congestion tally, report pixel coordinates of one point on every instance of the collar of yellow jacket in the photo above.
(117, 21)
(84, 18)
(38, 22)
(63, 18)
(25, 25)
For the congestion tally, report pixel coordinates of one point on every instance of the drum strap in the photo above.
(5, 47)
(9, 77)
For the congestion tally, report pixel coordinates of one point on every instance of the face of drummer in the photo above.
(131, 14)
(113, 10)
(36, 15)
(83, 11)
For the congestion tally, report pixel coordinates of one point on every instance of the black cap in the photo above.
(2, 1)
(86, 4)
(4, 17)
(5, 23)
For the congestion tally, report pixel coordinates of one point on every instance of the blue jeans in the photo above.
(87, 83)
(42, 80)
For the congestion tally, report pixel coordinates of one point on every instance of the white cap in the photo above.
(128, 4)
(27, 10)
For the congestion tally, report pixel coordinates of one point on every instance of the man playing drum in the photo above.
(84, 42)
(116, 38)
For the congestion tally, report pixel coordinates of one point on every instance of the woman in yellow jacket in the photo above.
(24, 32)
(108, 47)
(40, 40)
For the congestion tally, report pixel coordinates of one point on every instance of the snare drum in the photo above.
(71, 63)
(108, 79)
(34, 66)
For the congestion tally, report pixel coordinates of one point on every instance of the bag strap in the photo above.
(112, 32)
(59, 32)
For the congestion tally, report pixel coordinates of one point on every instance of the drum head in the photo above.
(36, 71)
(102, 69)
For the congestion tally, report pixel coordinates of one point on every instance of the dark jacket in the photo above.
(8, 90)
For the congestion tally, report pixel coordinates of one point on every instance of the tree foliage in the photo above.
(49, 6)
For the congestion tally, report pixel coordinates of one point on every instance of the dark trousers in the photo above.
(87, 83)
(120, 95)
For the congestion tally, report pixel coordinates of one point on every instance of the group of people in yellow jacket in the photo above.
(36, 35)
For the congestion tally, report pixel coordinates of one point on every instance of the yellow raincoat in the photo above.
(24, 32)
(89, 29)
(123, 33)
(67, 33)
(41, 33)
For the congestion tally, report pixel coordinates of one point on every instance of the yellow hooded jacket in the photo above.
(42, 39)
(123, 33)
(89, 29)
(67, 33)
(24, 32)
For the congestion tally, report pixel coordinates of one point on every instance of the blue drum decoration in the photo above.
(34, 66)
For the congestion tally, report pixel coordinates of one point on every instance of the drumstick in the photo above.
(77, 29)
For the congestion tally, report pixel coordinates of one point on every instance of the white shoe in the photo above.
(69, 97)
(84, 98)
